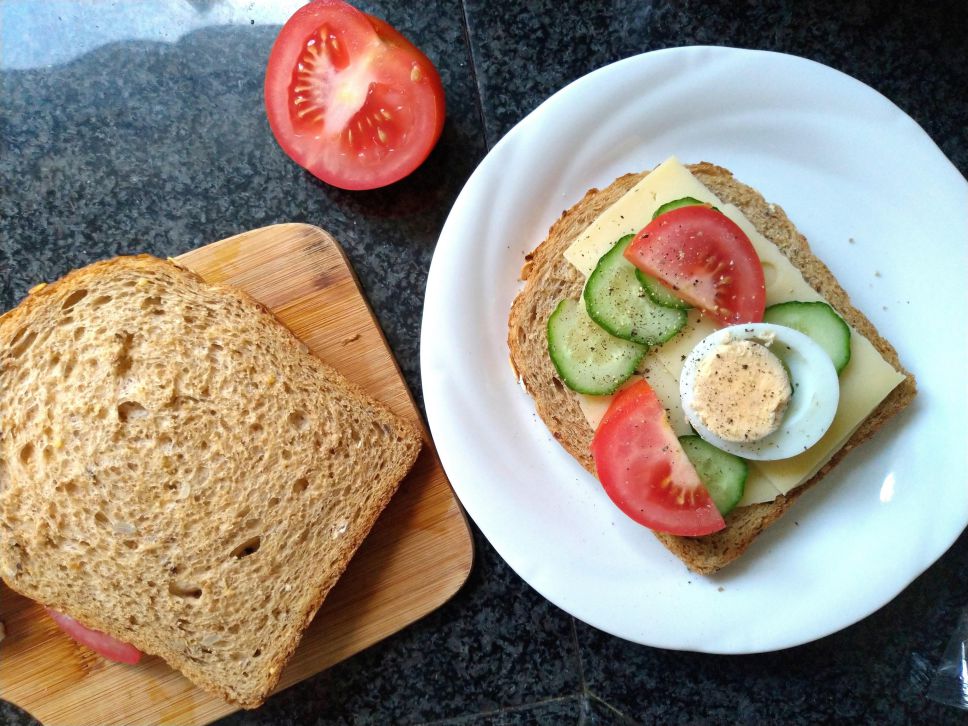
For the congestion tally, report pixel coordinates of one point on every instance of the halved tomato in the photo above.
(97, 641)
(706, 259)
(644, 470)
(350, 99)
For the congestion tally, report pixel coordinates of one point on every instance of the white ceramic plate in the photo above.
(880, 204)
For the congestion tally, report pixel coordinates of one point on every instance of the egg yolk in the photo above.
(741, 391)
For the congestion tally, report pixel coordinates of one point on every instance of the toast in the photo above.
(179, 472)
(549, 277)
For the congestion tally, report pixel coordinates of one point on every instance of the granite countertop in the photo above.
(128, 126)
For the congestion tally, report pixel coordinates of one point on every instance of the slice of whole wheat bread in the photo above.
(179, 472)
(549, 277)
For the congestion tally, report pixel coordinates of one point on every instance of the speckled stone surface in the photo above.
(907, 51)
(153, 146)
(163, 147)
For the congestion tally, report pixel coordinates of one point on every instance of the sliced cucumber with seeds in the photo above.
(616, 301)
(587, 358)
(816, 320)
(660, 294)
(723, 474)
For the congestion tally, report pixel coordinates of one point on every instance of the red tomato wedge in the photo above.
(706, 259)
(644, 470)
(100, 643)
(350, 99)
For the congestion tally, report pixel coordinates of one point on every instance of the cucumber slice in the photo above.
(723, 474)
(616, 301)
(818, 321)
(660, 294)
(676, 203)
(587, 358)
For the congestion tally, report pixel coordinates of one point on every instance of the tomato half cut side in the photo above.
(350, 99)
(99, 642)
(644, 470)
(707, 260)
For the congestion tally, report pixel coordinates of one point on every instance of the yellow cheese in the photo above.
(865, 382)
(783, 280)
(667, 182)
(672, 354)
(759, 488)
(666, 390)
(593, 408)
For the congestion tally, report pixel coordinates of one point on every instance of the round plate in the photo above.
(880, 204)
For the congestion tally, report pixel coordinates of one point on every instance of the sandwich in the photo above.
(676, 331)
(179, 473)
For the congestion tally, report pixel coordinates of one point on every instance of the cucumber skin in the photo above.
(708, 460)
(803, 317)
(612, 383)
(659, 293)
(676, 204)
(596, 313)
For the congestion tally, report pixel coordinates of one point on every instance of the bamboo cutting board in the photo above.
(417, 556)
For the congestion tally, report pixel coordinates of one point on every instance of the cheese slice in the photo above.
(759, 487)
(667, 182)
(865, 382)
(666, 389)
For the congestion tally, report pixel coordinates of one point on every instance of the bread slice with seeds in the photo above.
(179, 472)
(549, 277)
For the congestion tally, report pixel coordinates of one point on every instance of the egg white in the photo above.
(812, 407)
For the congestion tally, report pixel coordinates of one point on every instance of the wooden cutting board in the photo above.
(417, 556)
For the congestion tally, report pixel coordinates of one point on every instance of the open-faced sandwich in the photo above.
(684, 344)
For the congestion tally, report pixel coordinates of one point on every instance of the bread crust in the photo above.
(402, 437)
(549, 277)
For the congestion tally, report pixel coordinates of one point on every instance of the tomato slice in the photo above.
(706, 259)
(97, 641)
(644, 470)
(350, 99)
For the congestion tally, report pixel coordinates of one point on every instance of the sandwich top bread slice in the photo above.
(550, 277)
(179, 472)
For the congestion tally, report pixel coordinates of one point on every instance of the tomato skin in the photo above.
(102, 644)
(644, 470)
(707, 260)
(350, 99)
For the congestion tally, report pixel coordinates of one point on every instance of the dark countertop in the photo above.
(162, 145)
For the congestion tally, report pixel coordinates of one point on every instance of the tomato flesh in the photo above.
(644, 470)
(97, 641)
(707, 260)
(350, 99)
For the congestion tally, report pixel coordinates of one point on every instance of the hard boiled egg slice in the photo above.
(755, 403)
